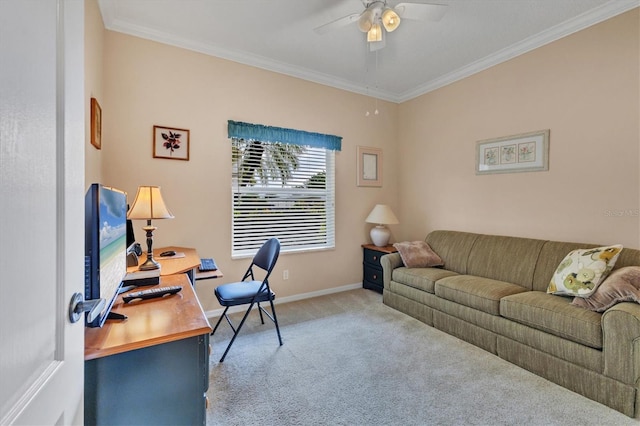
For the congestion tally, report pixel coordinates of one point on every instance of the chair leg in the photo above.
(260, 311)
(275, 320)
(237, 330)
(219, 320)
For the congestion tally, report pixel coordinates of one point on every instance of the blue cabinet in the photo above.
(153, 368)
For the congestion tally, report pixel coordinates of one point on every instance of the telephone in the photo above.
(133, 252)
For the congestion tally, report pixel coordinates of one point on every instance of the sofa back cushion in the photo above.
(453, 247)
(510, 259)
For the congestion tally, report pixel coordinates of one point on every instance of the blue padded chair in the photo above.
(251, 292)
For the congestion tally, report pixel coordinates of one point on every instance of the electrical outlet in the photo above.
(285, 274)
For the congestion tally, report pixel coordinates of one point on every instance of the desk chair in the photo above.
(250, 292)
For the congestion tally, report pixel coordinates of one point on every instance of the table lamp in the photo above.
(149, 205)
(381, 215)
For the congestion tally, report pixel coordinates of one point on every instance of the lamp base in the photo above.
(380, 235)
(149, 264)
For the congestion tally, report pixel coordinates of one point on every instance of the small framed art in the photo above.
(170, 142)
(369, 166)
(96, 124)
(527, 152)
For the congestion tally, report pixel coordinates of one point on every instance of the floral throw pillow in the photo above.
(581, 271)
(418, 254)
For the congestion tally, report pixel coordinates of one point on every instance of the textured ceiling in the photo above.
(419, 56)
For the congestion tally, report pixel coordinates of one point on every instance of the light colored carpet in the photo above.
(347, 359)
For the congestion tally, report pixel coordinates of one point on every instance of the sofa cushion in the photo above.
(421, 278)
(555, 315)
(453, 247)
(581, 271)
(479, 293)
(510, 259)
(622, 285)
(417, 254)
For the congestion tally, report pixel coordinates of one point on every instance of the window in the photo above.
(281, 189)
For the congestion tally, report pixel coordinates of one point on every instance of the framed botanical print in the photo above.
(526, 152)
(170, 142)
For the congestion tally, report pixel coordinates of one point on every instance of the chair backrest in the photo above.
(267, 256)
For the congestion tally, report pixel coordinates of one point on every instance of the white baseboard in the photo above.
(217, 312)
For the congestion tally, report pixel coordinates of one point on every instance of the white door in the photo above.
(41, 210)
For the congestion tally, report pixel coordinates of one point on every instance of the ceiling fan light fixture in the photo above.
(390, 20)
(375, 33)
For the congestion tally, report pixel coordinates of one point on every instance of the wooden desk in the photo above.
(152, 368)
(179, 265)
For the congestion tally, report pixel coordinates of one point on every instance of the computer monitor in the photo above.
(105, 246)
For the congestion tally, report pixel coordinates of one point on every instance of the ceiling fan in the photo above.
(380, 14)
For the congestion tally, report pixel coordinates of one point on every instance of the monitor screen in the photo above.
(106, 245)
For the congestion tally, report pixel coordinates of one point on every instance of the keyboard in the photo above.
(152, 293)
(208, 264)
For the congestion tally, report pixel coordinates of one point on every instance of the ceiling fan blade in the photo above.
(338, 23)
(420, 11)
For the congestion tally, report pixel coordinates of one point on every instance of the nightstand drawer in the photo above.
(373, 257)
(373, 275)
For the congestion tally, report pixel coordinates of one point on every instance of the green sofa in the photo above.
(491, 292)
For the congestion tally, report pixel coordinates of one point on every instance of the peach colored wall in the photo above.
(148, 83)
(585, 89)
(93, 84)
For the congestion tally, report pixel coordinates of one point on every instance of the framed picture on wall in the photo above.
(96, 124)
(369, 166)
(170, 142)
(526, 152)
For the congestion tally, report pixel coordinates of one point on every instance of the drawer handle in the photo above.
(375, 257)
(375, 277)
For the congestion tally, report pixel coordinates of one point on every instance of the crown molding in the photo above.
(587, 19)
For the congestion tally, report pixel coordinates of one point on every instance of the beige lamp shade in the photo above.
(382, 215)
(149, 204)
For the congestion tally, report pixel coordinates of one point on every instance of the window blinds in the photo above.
(282, 190)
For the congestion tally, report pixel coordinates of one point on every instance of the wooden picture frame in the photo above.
(96, 124)
(526, 152)
(171, 143)
(369, 166)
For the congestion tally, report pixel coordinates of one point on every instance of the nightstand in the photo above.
(371, 268)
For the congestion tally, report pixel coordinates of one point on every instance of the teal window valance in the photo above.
(259, 132)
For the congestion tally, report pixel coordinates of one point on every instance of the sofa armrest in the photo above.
(621, 342)
(389, 262)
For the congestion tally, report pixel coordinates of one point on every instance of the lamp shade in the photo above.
(383, 215)
(366, 20)
(390, 20)
(375, 33)
(149, 204)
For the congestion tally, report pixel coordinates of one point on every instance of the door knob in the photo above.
(78, 306)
